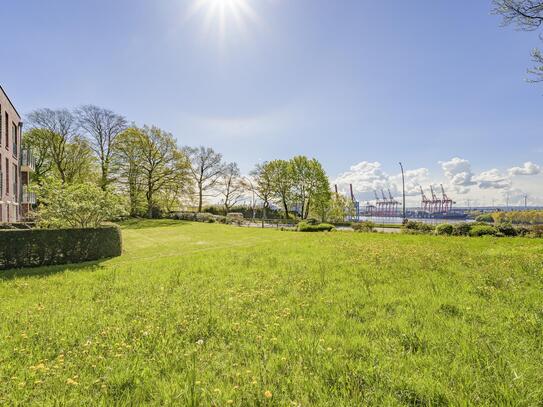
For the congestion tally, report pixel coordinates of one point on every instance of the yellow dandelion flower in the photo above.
(268, 394)
(230, 402)
(71, 382)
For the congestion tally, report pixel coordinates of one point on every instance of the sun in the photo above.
(224, 16)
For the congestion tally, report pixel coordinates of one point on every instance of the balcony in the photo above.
(28, 162)
(28, 197)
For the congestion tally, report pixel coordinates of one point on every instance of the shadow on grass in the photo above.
(45, 271)
(150, 223)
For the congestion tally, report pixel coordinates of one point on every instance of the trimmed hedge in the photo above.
(43, 247)
(364, 226)
(308, 227)
(413, 227)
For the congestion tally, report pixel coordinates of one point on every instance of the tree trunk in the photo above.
(286, 208)
(200, 198)
(263, 214)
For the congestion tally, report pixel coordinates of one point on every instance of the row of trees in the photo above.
(144, 165)
(300, 187)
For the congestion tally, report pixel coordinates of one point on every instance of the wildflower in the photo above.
(72, 382)
(200, 342)
(230, 402)
(268, 394)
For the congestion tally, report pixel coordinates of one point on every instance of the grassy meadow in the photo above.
(206, 314)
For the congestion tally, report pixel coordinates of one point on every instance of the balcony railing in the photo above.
(28, 162)
(28, 197)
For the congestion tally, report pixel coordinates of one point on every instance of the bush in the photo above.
(199, 217)
(205, 217)
(417, 227)
(507, 229)
(485, 217)
(445, 229)
(365, 226)
(483, 230)
(42, 247)
(537, 231)
(462, 229)
(76, 205)
(307, 227)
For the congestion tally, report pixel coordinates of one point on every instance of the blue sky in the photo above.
(438, 85)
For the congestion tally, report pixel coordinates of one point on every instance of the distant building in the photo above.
(15, 165)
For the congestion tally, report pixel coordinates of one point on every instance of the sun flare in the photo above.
(223, 16)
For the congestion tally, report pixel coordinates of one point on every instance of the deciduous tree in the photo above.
(232, 188)
(206, 169)
(263, 186)
(101, 127)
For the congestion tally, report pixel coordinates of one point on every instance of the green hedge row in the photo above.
(41, 247)
(308, 227)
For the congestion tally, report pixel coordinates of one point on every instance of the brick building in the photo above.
(15, 165)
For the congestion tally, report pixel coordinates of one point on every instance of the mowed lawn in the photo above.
(206, 314)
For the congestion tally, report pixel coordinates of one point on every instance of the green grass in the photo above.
(205, 314)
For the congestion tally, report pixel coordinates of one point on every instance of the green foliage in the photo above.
(414, 227)
(445, 229)
(200, 217)
(200, 314)
(483, 230)
(462, 229)
(154, 171)
(364, 226)
(519, 217)
(537, 231)
(76, 205)
(247, 211)
(305, 226)
(39, 247)
(507, 229)
(485, 217)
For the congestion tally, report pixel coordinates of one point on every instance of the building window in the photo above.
(15, 179)
(7, 176)
(7, 130)
(14, 143)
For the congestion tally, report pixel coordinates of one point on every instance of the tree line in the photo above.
(144, 166)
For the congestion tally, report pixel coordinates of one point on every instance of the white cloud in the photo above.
(529, 168)
(461, 183)
(367, 177)
(493, 179)
(459, 173)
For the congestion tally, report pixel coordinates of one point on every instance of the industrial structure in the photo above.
(437, 206)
